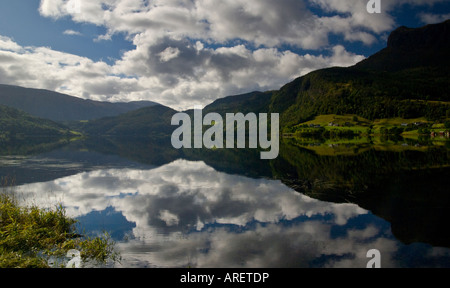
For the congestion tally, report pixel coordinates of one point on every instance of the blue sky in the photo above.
(190, 52)
(20, 20)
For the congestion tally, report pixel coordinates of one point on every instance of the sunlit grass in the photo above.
(30, 236)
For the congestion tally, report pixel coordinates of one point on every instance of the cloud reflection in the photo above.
(186, 214)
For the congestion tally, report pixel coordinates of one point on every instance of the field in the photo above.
(333, 134)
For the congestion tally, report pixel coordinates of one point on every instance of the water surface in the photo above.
(206, 209)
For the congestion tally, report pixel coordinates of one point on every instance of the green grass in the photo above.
(341, 120)
(334, 139)
(362, 126)
(30, 236)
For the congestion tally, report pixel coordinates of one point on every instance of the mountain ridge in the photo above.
(427, 46)
(62, 107)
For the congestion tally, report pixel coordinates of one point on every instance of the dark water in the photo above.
(314, 206)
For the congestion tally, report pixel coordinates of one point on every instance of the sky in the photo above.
(183, 53)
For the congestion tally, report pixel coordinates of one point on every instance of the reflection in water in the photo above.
(186, 214)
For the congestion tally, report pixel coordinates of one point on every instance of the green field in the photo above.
(362, 126)
(323, 134)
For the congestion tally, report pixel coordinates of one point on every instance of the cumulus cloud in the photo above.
(260, 22)
(7, 44)
(174, 72)
(45, 68)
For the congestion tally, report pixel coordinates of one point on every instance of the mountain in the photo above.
(408, 79)
(61, 107)
(256, 102)
(152, 121)
(413, 47)
(15, 123)
(156, 121)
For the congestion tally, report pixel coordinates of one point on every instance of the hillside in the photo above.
(61, 107)
(156, 121)
(152, 121)
(396, 82)
(256, 102)
(15, 123)
(409, 48)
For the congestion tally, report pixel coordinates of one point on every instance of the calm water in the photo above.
(308, 208)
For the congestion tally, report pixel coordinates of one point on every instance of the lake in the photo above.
(316, 205)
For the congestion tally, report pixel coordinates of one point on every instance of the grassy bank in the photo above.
(31, 237)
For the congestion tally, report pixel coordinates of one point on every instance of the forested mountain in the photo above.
(15, 123)
(152, 121)
(255, 102)
(408, 48)
(408, 79)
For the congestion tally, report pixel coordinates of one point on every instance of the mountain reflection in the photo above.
(186, 214)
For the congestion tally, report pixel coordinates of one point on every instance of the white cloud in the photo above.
(177, 73)
(72, 33)
(260, 22)
(7, 44)
(44, 68)
(53, 8)
(169, 54)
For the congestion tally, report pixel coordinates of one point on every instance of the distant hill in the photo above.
(15, 123)
(61, 107)
(152, 121)
(157, 120)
